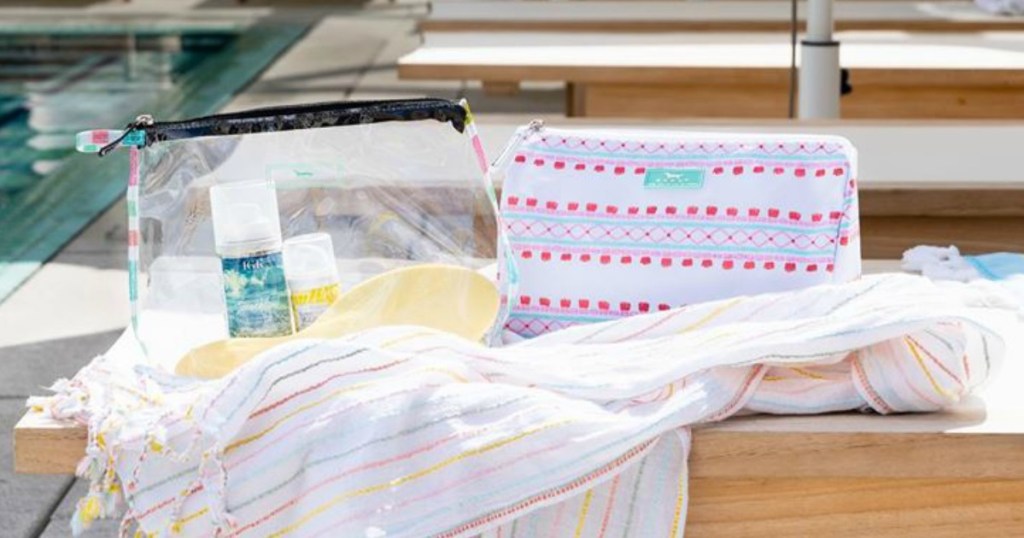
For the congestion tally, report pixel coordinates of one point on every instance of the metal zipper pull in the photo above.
(144, 120)
(521, 135)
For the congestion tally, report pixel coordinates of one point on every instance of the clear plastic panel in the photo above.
(390, 195)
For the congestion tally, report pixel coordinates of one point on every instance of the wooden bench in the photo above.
(716, 16)
(921, 182)
(955, 473)
(927, 76)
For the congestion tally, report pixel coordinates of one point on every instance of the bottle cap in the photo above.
(245, 214)
(309, 261)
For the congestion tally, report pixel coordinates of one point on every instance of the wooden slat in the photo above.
(854, 508)
(754, 95)
(963, 442)
(612, 58)
(711, 97)
(501, 88)
(46, 446)
(708, 26)
(748, 76)
(723, 453)
(967, 198)
(784, 484)
(732, 16)
(893, 235)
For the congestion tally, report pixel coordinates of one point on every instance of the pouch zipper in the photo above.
(642, 134)
(140, 122)
(520, 136)
(538, 125)
(295, 117)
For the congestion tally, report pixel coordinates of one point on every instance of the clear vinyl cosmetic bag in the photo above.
(610, 223)
(252, 224)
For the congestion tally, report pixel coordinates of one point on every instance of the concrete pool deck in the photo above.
(76, 304)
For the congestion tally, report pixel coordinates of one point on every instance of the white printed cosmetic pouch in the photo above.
(605, 224)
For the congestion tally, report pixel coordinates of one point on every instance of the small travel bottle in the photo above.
(312, 276)
(247, 233)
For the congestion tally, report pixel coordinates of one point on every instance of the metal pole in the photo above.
(819, 64)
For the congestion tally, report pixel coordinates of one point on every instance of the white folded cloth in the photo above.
(1004, 270)
(402, 431)
(939, 263)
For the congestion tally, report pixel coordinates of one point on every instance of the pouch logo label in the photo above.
(304, 175)
(134, 138)
(674, 178)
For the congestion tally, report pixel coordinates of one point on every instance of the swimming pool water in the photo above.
(56, 83)
(52, 86)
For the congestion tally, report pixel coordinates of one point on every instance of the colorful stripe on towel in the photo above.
(404, 432)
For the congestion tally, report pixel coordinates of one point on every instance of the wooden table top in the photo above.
(719, 16)
(678, 58)
(981, 437)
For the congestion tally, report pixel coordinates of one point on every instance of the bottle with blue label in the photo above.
(247, 233)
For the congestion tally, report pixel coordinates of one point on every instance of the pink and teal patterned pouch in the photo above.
(606, 224)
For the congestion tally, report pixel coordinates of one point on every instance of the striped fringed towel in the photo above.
(584, 432)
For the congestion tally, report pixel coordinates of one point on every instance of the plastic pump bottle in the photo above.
(247, 234)
(312, 276)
